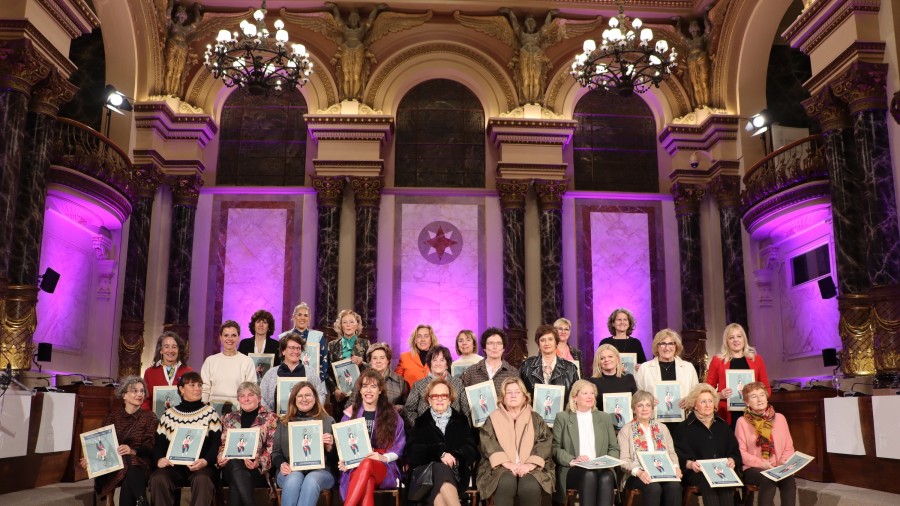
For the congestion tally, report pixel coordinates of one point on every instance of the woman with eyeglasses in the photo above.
(564, 349)
(667, 366)
(442, 437)
(291, 348)
(136, 433)
(350, 345)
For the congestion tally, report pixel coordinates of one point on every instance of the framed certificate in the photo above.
(658, 465)
(310, 358)
(735, 379)
(482, 400)
(629, 361)
(352, 441)
(345, 374)
(100, 449)
(548, 401)
(603, 462)
(669, 395)
(184, 447)
(263, 362)
(618, 406)
(797, 462)
(283, 393)
(307, 448)
(241, 443)
(222, 406)
(164, 398)
(457, 370)
(718, 474)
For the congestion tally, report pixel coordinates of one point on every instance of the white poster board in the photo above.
(15, 415)
(843, 433)
(57, 423)
(886, 415)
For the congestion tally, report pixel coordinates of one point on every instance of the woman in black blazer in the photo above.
(443, 437)
(262, 326)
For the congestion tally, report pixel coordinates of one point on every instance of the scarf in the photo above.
(441, 420)
(347, 345)
(515, 435)
(762, 424)
(640, 439)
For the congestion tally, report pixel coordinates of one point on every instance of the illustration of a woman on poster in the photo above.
(483, 403)
(242, 444)
(307, 449)
(186, 444)
(548, 404)
(101, 451)
(668, 400)
(353, 446)
(619, 418)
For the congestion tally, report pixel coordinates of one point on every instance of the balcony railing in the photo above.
(795, 164)
(81, 148)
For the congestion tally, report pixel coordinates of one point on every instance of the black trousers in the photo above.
(767, 487)
(241, 482)
(667, 493)
(595, 486)
(722, 496)
(134, 487)
(163, 484)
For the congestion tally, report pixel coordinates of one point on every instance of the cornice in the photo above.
(755, 216)
(16, 28)
(73, 16)
(872, 52)
(819, 27)
(159, 117)
(704, 136)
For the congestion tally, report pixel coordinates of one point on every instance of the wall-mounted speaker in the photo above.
(827, 288)
(49, 280)
(830, 357)
(44, 352)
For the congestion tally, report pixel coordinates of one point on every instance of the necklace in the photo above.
(667, 366)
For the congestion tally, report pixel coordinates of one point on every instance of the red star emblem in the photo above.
(440, 242)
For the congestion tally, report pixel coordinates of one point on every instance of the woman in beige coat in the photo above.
(516, 445)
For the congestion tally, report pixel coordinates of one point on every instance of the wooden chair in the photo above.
(571, 497)
(388, 493)
(630, 494)
(325, 495)
(747, 494)
(688, 492)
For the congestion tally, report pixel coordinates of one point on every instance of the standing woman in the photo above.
(291, 348)
(703, 435)
(413, 365)
(136, 433)
(169, 365)
(493, 367)
(385, 426)
(736, 354)
(620, 325)
(547, 368)
(644, 434)
(350, 345)
(518, 450)
(439, 361)
(442, 436)
(609, 375)
(765, 442)
(668, 366)
(262, 326)
(580, 434)
(563, 349)
(245, 475)
(466, 350)
(302, 488)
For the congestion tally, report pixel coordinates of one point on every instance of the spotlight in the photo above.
(757, 124)
(116, 101)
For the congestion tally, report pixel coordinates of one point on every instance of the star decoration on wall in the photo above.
(440, 242)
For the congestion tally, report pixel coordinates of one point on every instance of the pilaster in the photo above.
(512, 210)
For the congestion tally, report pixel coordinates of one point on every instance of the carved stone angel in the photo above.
(529, 63)
(698, 59)
(178, 31)
(353, 60)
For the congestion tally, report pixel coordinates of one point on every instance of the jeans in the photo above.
(302, 488)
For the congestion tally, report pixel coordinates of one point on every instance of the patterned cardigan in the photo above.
(266, 421)
(334, 355)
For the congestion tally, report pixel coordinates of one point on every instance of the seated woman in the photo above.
(765, 442)
(291, 348)
(302, 488)
(546, 368)
(245, 475)
(439, 361)
(517, 447)
(379, 358)
(201, 474)
(379, 468)
(580, 434)
(609, 375)
(644, 434)
(703, 435)
(135, 431)
(442, 436)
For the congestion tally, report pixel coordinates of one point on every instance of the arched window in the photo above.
(615, 144)
(440, 137)
(262, 140)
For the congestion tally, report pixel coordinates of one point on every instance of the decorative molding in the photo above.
(146, 178)
(11, 29)
(362, 110)
(726, 189)
(816, 29)
(343, 168)
(754, 217)
(529, 171)
(159, 117)
(703, 137)
(330, 190)
(512, 193)
(50, 94)
(863, 87)
(831, 113)
(687, 197)
(519, 112)
(101, 245)
(367, 190)
(550, 193)
(20, 65)
(858, 51)
(185, 188)
(116, 201)
(73, 16)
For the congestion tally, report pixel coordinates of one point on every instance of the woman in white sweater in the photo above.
(223, 372)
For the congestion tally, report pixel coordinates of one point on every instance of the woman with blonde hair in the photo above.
(517, 447)
(564, 349)
(412, 365)
(580, 434)
(350, 344)
(667, 366)
(736, 354)
(609, 375)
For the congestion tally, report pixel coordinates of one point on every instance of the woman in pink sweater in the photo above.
(765, 442)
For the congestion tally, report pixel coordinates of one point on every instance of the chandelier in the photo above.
(627, 61)
(254, 61)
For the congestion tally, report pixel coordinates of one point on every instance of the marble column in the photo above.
(727, 190)
(146, 180)
(549, 194)
(862, 88)
(185, 192)
(330, 191)
(20, 317)
(845, 185)
(512, 210)
(367, 192)
(693, 323)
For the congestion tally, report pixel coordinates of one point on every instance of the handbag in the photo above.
(421, 482)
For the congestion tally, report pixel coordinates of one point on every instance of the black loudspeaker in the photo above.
(44, 352)
(827, 288)
(49, 280)
(830, 357)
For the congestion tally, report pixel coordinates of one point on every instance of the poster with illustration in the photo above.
(352, 441)
(283, 393)
(629, 362)
(618, 406)
(241, 443)
(548, 401)
(99, 448)
(718, 474)
(735, 379)
(669, 395)
(658, 465)
(184, 447)
(345, 374)
(310, 358)
(222, 406)
(164, 398)
(305, 442)
(262, 362)
(797, 462)
(482, 400)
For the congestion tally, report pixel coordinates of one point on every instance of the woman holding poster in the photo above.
(736, 354)
(765, 442)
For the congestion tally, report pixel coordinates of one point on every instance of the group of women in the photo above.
(418, 414)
